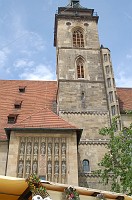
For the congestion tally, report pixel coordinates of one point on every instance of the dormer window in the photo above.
(22, 89)
(12, 118)
(17, 104)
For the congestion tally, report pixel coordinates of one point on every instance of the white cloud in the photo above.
(123, 80)
(4, 56)
(21, 63)
(128, 16)
(24, 38)
(40, 72)
(129, 56)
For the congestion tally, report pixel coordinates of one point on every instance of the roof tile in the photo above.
(37, 104)
(125, 98)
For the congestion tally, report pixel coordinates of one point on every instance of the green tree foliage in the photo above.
(116, 165)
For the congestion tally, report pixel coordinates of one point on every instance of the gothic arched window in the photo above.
(80, 68)
(78, 39)
(86, 166)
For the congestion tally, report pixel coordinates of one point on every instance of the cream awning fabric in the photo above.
(11, 188)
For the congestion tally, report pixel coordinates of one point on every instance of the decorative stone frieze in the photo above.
(85, 112)
(96, 142)
(34, 151)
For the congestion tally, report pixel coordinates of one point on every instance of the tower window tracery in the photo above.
(78, 38)
(80, 68)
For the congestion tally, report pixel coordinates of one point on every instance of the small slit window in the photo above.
(22, 89)
(80, 68)
(109, 82)
(12, 118)
(86, 166)
(78, 39)
(111, 97)
(17, 104)
(83, 99)
(113, 111)
(105, 58)
(107, 69)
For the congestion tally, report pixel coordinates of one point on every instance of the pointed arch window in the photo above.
(86, 166)
(78, 38)
(80, 68)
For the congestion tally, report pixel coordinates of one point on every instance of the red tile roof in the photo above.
(38, 105)
(43, 118)
(125, 98)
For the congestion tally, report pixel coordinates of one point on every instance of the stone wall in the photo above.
(90, 122)
(92, 64)
(70, 96)
(64, 32)
(13, 155)
(3, 156)
(93, 151)
(126, 119)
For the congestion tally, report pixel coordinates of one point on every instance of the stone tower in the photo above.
(82, 89)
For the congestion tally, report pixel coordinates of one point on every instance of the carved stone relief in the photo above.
(20, 168)
(43, 148)
(63, 148)
(28, 167)
(56, 148)
(35, 148)
(22, 148)
(56, 167)
(49, 166)
(35, 167)
(29, 148)
(49, 148)
(63, 167)
(43, 156)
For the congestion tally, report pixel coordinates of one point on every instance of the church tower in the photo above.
(82, 93)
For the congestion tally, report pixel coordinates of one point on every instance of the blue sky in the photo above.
(26, 37)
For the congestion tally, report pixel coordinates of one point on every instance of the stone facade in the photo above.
(52, 156)
(126, 119)
(86, 98)
(3, 156)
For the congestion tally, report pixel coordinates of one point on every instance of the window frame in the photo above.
(78, 38)
(113, 110)
(86, 167)
(111, 97)
(80, 68)
(109, 82)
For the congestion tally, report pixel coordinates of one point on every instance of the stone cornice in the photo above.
(95, 141)
(79, 80)
(85, 112)
(80, 48)
(91, 174)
